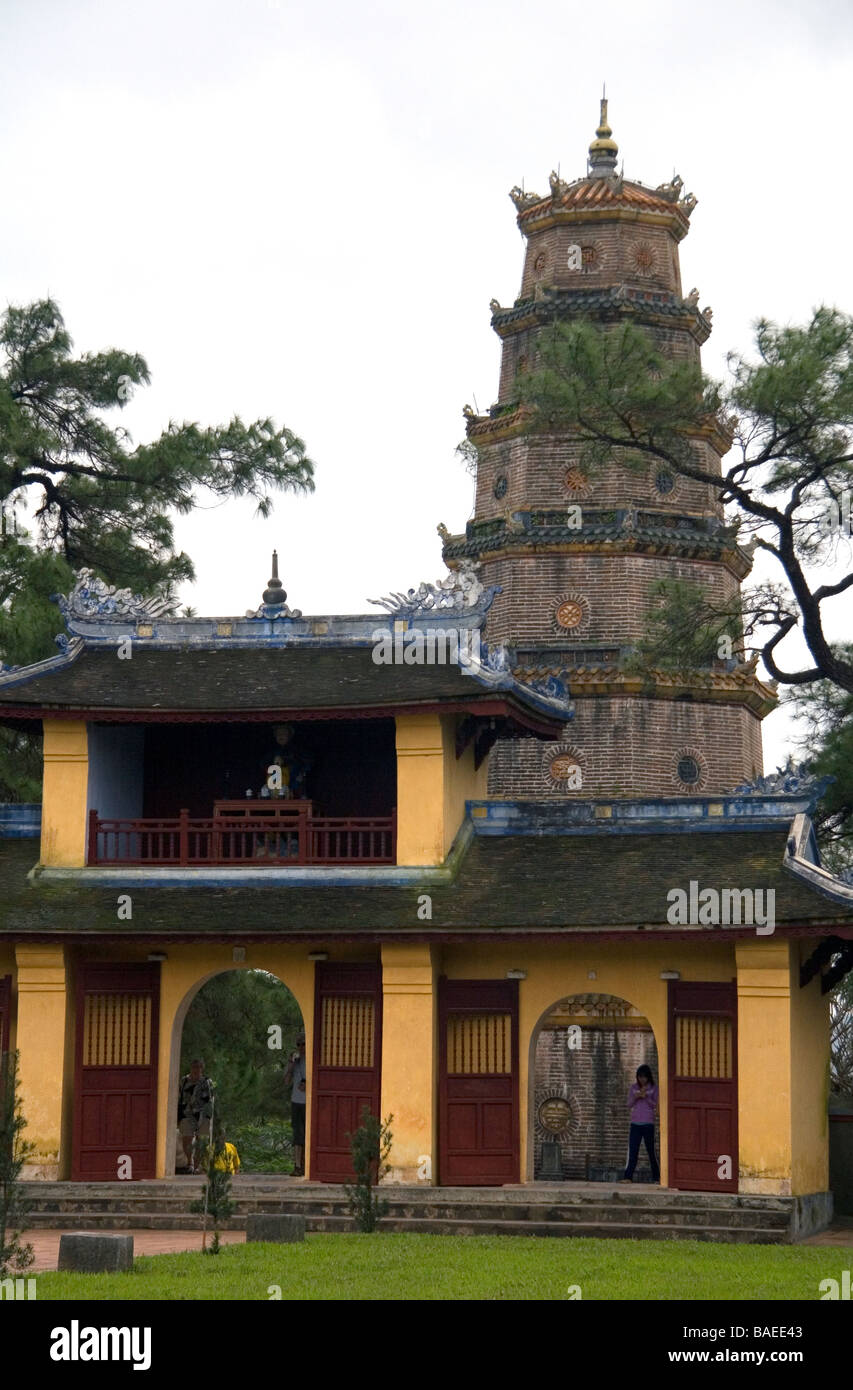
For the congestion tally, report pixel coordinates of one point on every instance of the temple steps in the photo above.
(591, 1209)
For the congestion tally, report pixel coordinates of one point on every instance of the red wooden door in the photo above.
(702, 1086)
(346, 1074)
(5, 1011)
(115, 1081)
(478, 1082)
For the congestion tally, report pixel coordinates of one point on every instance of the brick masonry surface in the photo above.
(615, 589)
(594, 1079)
(536, 467)
(608, 255)
(520, 353)
(632, 747)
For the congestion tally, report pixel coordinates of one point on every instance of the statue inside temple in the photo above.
(286, 774)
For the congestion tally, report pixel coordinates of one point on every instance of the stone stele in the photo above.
(90, 1252)
(275, 1229)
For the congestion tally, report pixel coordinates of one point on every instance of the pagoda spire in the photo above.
(604, 149)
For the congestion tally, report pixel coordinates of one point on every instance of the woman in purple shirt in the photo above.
(642, 1107)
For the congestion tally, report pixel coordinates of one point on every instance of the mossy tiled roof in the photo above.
(504, 883)
(277, 678)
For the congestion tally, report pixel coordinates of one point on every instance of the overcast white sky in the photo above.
(300, 210)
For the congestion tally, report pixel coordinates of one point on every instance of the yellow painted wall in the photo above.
(809, 1079)
(764, 1066)
(461, 781)
(41, 1038)
(181, 977)
(409, 1078)
(66, 780)
(420, 789)
(432, 787)
(629, 970)
(782, 1037)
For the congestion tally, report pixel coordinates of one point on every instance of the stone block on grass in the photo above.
(282, 1230)
(90, 1252)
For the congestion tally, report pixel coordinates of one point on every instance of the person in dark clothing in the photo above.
(195, 1105)
(296, 1077)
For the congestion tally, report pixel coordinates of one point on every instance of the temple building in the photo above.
(496, 868)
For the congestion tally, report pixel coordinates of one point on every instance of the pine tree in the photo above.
(14, 1151)
(787, 481)
(370, 1146)
(97, 500)
(215, 1202)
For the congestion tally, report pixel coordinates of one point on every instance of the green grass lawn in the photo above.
(401, 1267)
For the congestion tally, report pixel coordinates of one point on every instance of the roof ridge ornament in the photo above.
(92, 597)
(275, 593)
(523, 200)
(274, 598)
(671, 191)
(794, 779)
(461, 591)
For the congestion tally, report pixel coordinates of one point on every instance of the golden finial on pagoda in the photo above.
(603, 150)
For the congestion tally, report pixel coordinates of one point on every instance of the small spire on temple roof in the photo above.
(603, 150)
(274, 593)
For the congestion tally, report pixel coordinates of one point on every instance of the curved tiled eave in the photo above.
(738, 687)
(652, 306)
(505, 425)
(598, 541)
(513, 420)
(597, 199)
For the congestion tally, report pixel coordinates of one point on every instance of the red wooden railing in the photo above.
(241, 839)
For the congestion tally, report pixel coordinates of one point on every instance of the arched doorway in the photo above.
(586, 1053)
(243, 1023)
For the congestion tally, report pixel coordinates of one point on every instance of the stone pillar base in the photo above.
(765, 1187)
(40, 1172)
(411, 1176)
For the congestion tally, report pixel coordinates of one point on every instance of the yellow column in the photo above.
(408, 1073)
(764, 1067)
(809, 1078)
(420, 789)
(66, 780)
(41, 1040)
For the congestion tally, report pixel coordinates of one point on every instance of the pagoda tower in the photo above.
(575, 599)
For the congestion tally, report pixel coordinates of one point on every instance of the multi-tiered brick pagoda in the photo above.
(575, 597)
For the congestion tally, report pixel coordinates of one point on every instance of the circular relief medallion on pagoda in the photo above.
(690, 770)
(571, 613)
(500, 486)
(562, 770)
(575, 482)
(641, 257)
(540, 262)
(557, 1116)
(664, 483)
(592, 256)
